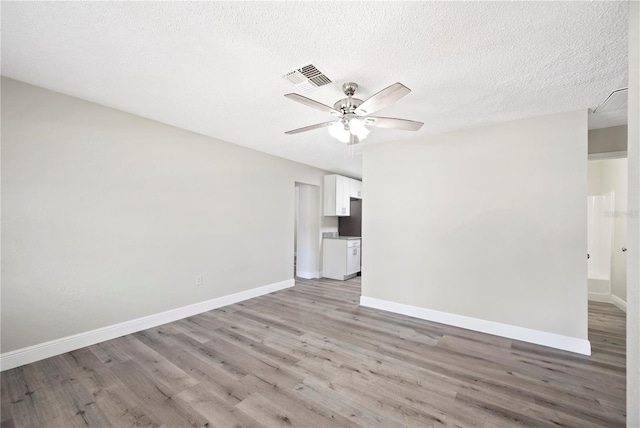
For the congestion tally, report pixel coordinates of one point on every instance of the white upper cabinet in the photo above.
(336, 195)
(355, 188)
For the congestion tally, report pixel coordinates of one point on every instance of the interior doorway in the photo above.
(307, 242)
(607, 231)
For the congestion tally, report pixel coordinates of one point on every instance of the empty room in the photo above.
(320, 214)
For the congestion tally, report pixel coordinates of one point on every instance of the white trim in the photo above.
(619, 302)
(608, 298)
(607, 155)
(23, 356)
(307, 275)
(572, 344)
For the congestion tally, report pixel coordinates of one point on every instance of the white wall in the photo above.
(633, 222)
(488, 223)
(107, 217)
(594, 174)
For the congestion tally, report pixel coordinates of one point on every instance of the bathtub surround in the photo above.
(600, 245)
(509, 252)
(108, 217)
(608, 265)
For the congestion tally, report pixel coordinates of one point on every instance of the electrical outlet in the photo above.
(198, 279)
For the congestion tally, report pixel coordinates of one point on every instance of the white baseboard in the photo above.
(55, 347)
(566, 343)
(609, 298)
(619, 302)
(308, 275)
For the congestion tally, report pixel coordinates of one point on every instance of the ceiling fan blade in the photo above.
(314, 104)
(353, 139)
(382, 99)
(393, 123)
(310, 127)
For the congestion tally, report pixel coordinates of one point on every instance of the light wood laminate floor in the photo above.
(309, 356)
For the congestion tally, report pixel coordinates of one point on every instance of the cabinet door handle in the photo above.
(624, 250)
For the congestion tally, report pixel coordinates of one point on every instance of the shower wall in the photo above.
(599, 242)
(607, 229)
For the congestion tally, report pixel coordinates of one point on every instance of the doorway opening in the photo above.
(607, 231)
(607, 262)
(307, 243)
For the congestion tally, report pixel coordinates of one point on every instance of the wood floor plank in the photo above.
(262, 409)
(390, 407)
(154, 397)
(313, 413)
(217, 411)
(24, 399)
(73, 403)
(111, 395)
(317, 391)
(155, 365)
(258, 348)
(311, 356)
(436, 402)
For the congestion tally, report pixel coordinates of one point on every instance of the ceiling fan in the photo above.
(353, 113)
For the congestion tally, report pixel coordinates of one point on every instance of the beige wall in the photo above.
(488, 223)
(605, 140)
(107, 217)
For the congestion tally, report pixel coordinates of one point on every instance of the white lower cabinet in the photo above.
(340, 258)
(353, 257)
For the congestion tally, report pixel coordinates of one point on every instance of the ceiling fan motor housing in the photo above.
(349, 104)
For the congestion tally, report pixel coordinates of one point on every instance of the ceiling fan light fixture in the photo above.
(338, 131)
(358, 129)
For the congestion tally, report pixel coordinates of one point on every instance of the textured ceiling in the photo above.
(215, 67)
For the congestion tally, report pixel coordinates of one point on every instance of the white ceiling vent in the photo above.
(307, 78)
(617, 100)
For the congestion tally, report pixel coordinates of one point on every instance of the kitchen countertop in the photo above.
(343, 237)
